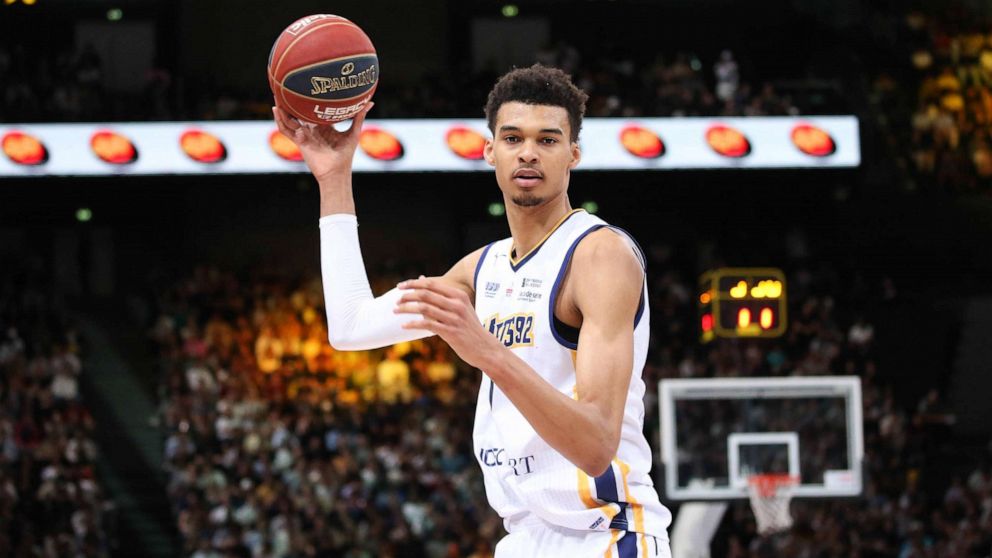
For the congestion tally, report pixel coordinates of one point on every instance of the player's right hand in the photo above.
(325, 150)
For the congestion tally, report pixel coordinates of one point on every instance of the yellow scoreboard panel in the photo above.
(742, 302)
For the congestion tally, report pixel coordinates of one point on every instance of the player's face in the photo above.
(531, 152)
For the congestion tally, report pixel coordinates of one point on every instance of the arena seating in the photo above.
(51, 500)
(935, 92)
(273, 437)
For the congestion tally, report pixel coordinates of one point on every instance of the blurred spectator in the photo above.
(51, 504)
(727, 76)
(67, 87)
(301, 450)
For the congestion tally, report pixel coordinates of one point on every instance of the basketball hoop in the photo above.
(770, 495)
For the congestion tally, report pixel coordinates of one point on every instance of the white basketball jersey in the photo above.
(524, 476)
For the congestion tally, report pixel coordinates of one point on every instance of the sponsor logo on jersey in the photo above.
(491, 289)
(496, 457)
(515, 330)
(533, 283)
(529, 296)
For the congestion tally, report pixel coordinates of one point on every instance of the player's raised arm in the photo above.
(356, 320)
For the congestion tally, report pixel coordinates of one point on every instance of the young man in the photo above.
(556, 318)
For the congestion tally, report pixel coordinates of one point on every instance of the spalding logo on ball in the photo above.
(323, 69)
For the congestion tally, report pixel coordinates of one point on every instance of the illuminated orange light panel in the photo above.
(727, 141)
(284, 147)
(466, 143)
(812, 140)
(113, 148)
(24, 149)
(203, 147)
(743, 318)
(642, 142)
(765, 318)
(380, 144)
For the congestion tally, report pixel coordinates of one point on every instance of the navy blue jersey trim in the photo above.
(478, 266)
(644, 265)
(640, 309)
(640, 251)
(620, 519)
(554, 289)
(627, 545)
(533, 252)
(606, 490)
(568, 333)
(606, 486)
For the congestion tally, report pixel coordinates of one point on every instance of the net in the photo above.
(770, 496)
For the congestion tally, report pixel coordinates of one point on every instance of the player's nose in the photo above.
(528, 152)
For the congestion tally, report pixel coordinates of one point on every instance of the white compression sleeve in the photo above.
(355, 319)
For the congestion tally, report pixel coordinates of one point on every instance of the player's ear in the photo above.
(576, 155)
(487, 152)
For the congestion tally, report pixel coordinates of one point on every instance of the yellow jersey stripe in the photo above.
(613, 541)
(585, 494)
(638, 509)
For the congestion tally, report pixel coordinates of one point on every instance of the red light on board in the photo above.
(284, 147)
(24, 149)
(113, 148)
(465, 142)
(380, 144)
(727, 141)
(641, 142)
(202, 147)
(813, 141)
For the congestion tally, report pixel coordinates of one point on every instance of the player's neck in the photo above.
(529, 225)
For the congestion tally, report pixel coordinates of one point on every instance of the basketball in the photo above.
(323, 69)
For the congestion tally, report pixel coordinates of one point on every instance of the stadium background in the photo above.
(158, 317)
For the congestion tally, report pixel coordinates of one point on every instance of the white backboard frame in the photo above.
(847, 387)
(737, 439)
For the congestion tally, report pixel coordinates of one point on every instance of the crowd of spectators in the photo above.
(618, 85)
(51, 502)
(66, 86)
(280, 446)
(944, 69)
(69, 86)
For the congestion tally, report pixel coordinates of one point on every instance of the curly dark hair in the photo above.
(538, 85)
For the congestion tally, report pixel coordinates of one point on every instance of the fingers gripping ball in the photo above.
(323, 69)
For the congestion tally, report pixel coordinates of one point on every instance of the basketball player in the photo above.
(556, 317)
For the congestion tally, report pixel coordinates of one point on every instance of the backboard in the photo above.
(716, 432)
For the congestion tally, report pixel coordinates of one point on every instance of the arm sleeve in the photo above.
(355, 319)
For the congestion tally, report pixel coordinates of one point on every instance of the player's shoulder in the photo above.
(607, 246)
(605, 276)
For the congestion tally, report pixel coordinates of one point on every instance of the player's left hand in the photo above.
(447, 311)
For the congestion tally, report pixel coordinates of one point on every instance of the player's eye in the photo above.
(511, 139)
(549, 141)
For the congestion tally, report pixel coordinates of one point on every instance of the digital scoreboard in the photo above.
(742, 302)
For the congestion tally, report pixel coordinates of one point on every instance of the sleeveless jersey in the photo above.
(526, 478)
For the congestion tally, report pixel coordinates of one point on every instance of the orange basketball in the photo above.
(323, 69)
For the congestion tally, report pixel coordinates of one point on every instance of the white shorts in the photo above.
(541, 539)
